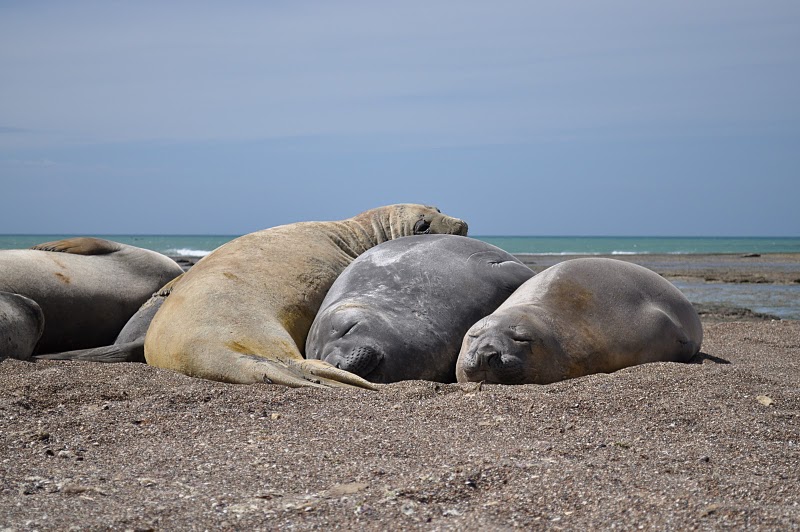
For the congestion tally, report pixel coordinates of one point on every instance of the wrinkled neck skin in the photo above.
(386, 224)
(368, 229)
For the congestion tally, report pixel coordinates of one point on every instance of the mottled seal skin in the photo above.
(87, 288)
(242, 314)
(400, 311)
(129, 344)
(580, 317)
(21, 326)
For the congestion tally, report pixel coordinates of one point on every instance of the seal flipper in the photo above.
(82, 245)
(125, 352)
(330, 375)
(249, 369)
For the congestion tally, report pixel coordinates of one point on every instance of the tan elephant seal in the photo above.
(242, 314)
(87, 288)
(21, 326)
(579, 317)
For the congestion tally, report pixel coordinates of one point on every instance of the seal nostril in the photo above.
(487, 358)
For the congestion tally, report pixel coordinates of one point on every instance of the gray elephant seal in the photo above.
(87, 288)
(242, 314)
(580, 317)
(400, 310)
(129, 344)
(21, 326)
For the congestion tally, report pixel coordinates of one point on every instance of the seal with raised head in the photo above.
(400, 310)
(87, 288)
(21, 326)
(579, 317)
(242, 314)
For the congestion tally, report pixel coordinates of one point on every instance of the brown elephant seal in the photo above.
(87, 288)
(21, 326)
(579, 317)
(242, 314)
(129, 344)
(400, 310)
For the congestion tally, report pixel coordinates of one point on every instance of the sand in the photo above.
(712, 444)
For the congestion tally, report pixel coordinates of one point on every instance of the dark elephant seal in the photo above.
(242, 314)
(21, 326)
(129, 344)
(400, 310)
(579, 317)
(87, 288)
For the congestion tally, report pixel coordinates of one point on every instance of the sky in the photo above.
(671, 118)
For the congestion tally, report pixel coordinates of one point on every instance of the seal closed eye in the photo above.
(422, 227)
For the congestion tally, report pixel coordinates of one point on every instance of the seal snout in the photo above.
(481, 360)
(493, 358)
(361, 360)
(485, 357)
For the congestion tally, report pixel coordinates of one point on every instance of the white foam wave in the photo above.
(187, 252)
(586, 253)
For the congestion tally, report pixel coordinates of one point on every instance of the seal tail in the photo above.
(126, 352)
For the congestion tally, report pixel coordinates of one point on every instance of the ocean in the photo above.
(775, 299)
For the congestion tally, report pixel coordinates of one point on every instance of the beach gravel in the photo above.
(709, 445)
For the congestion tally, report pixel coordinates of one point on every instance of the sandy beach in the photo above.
(708, 445)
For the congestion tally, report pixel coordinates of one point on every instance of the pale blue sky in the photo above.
(522, 117)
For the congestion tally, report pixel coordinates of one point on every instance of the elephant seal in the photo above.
(129, 344)
(21, 326)
(400, 310)
(242, 314)
(86, 287)
(579, 317)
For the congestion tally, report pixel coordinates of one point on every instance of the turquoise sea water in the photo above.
(193, 245)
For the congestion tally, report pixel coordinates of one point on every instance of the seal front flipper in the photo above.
(242, 368)
(302, 373)
(125, 352)
(329, 375)
(82, 245)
